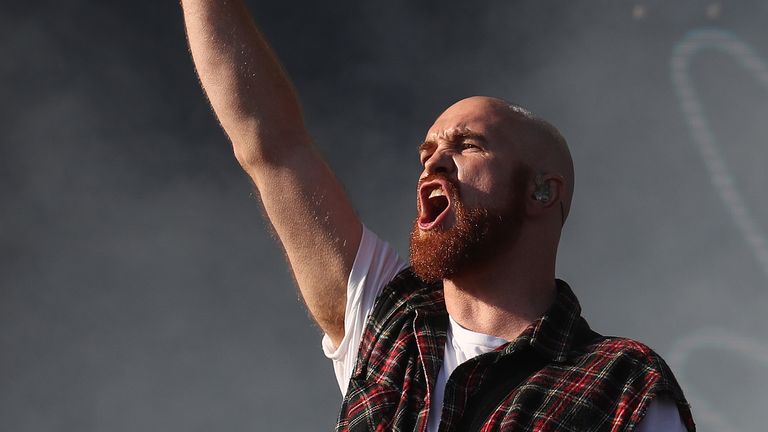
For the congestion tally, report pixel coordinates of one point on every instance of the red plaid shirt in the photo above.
(595, 384)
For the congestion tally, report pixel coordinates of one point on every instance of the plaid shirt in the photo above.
(602, 384)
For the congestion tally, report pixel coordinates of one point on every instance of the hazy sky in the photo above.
(141, 290)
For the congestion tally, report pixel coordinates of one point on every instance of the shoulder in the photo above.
(630, 374)
(628, 366)
(615, 347)
(626, 357)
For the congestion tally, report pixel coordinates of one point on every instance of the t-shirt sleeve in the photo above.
(662, 416)
(376, 264)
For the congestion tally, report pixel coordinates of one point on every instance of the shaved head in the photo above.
(538, 143)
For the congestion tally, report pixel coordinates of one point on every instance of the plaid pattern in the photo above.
(603, 384)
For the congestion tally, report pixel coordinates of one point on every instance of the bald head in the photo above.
(536, 142)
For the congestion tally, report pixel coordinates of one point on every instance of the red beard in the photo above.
(476, 236)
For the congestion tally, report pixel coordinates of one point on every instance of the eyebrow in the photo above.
(451, 135)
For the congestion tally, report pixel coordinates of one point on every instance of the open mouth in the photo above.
(435, 203)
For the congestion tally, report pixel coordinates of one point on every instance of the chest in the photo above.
(398, 386)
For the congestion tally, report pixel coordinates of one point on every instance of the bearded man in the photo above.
(477, 334)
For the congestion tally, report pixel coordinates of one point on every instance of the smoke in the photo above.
(139, 288)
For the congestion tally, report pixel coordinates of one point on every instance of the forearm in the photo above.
(248, 89)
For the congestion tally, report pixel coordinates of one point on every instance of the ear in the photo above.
(545, 193)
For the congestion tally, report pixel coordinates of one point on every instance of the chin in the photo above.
(477, 236)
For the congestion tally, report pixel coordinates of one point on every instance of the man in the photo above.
(477, 334)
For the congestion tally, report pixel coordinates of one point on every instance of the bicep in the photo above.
(317, 228)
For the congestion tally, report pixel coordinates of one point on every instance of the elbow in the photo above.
(257, 143)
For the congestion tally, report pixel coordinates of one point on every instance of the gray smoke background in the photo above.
(141, 290)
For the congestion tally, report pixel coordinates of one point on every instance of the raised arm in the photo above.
(258, 108)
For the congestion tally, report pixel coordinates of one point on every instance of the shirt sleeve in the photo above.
(376, 264)
(662, 416)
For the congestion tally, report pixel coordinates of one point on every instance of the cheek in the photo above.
(477, 187)
(483, 172)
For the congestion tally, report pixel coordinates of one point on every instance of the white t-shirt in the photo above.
(376, 264)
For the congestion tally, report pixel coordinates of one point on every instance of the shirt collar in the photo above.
(553, 334)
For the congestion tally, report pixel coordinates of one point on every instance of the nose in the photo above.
(439, 162)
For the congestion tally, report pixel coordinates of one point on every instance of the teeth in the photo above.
(437, 192)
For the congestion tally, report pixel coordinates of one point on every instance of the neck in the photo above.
(504, 296)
